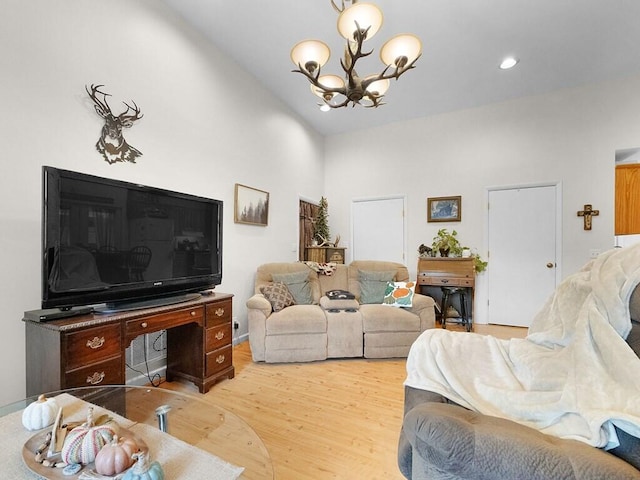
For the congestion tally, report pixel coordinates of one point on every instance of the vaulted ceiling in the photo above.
(560, 44)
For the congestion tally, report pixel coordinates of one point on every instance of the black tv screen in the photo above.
(109, 241)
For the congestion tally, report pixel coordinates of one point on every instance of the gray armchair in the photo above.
(444, 441)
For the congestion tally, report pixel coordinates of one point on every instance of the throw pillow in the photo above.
(399, 294)
(373, 284)
(278, 295)
(298, 284)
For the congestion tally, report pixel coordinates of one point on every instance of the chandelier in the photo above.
(356, 23)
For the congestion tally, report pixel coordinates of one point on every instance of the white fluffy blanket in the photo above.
(573, 376)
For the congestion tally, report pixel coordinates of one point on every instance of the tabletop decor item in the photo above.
(40, 414)
(85, 441)
(143, 469)
(116, 457)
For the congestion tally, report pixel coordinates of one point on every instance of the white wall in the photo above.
(207, 125)
(569, 136)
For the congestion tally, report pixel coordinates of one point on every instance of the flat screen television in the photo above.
(118, 245)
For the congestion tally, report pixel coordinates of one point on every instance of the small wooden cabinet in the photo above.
(446, 272)
(89, 350)
(325, 254)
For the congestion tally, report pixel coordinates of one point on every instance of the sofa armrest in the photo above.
(259, 302)
(424, 307)
(258, 310)
(458, 443)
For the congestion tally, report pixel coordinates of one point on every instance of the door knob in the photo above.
(550, 265)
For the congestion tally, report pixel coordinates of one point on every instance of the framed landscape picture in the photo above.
(251, 206)
(444, 209)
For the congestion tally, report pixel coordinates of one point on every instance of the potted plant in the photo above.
(447, 243)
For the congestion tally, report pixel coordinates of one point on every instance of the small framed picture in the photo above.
(251, 206)
(444, 209)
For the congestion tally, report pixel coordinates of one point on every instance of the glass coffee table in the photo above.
(172, 423)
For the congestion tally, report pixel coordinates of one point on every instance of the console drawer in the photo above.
(92, 345)
(446, 281)
(218, 313)
(217, 337)
(218, 360)
(103, 373)
(162, 321)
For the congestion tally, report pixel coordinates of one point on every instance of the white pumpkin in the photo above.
(40, 414)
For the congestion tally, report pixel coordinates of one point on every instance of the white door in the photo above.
(523, 238)
(378, 229)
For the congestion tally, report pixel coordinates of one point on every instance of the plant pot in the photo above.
(444, 252)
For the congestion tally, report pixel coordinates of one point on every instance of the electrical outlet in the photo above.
(594, 252)
(236, 325)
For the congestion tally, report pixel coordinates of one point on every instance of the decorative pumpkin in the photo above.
(40, 414)
(143, 470)
(115, 457)
(85, 441)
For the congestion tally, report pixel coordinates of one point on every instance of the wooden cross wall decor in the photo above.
(587, 213)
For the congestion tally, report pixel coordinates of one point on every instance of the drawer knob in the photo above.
(220, 359)
(144, 324)
(219, 312)
(95, 343)
(219, 335)
(96, 378)
(445, 280)
(193, 314)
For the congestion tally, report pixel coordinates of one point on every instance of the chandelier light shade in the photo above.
(327, 84)
(401, 50)
(365, 17)
(379, 87)
(310, 55)
(356, 23)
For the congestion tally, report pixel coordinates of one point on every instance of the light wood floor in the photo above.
(335, 419)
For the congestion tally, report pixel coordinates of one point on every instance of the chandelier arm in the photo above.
(313, 79)
(336, 8)
(344, 103)
(395, 74)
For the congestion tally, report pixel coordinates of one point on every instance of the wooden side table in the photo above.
(455, 272)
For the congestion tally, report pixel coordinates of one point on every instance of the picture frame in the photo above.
(251, 206)
(444, 209)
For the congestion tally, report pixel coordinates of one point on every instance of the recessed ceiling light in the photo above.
(508, 63)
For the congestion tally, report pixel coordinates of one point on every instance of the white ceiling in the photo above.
(560, 43)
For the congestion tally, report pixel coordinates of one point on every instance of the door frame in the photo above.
(404, 221)
(484, 286)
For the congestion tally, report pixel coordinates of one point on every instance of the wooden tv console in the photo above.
(89, 350)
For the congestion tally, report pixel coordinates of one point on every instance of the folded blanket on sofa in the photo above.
(573, 376)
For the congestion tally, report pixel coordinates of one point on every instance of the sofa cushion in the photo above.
(264, 276)
(373, 285)
(298, 284)
(399, 294)
(297, 319)
(380, 318)
(353, 273)
(278, 295)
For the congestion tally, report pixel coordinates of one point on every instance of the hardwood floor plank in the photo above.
(333, 419)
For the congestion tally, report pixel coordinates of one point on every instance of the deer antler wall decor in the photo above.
(112, 145)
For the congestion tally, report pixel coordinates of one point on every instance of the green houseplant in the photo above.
(447, 244)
